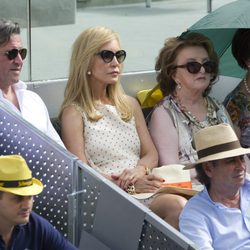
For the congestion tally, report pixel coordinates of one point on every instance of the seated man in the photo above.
(20, 228)
(13, 92)
(219, 216)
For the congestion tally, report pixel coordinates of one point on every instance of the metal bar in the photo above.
(148, 3)
(209, 6)
(28, 8)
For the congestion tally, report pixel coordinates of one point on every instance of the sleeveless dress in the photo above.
(111, 144)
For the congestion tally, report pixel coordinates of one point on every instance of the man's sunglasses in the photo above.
(107, 55)
(195, 67)
(13, 53)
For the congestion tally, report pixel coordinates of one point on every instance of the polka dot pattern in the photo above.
(111, 144)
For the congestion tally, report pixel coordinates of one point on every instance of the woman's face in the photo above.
(106, 72)
(192, 81)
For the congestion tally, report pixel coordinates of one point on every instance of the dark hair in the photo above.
(166, 59)
(7, 29)
(241, 47)
(201, 175)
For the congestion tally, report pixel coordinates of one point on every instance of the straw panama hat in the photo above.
(16, 177)
(215, 143)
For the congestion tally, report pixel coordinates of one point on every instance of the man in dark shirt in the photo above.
(20, 228)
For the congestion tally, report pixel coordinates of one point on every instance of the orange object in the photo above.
(187, 184)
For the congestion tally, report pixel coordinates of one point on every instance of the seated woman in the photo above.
(104, 127)
(187, 68)
(237, 102)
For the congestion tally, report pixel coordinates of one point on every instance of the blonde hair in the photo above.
(78, 89)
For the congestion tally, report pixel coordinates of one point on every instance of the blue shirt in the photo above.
(37, 234)
(211, 225)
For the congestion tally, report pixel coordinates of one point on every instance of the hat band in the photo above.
(16, 184)
(218, 149)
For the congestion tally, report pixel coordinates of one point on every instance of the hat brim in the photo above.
(34, 189)
(219, 156)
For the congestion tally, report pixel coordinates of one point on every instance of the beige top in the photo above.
(111, 144)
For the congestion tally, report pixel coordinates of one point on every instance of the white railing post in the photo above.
(209, 6)
(148, 3)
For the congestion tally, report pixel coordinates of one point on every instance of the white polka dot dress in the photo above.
(111, 144)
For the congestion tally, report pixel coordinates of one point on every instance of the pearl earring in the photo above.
(89, 73)
(178, 86)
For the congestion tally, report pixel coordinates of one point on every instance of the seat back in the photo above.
(107, 214)
(49, 162)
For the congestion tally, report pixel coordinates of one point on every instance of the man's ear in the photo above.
(208, 168)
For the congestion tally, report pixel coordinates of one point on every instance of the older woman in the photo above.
(187, 68)
(104, 127)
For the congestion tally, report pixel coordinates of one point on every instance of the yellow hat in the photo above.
(16, 177)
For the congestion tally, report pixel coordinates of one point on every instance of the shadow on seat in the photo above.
(56, 124)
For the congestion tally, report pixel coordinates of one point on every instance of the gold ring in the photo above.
(131, 189)
(147, 170)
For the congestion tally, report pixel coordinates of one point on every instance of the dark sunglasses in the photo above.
(13, 53)
(195, 67)
(107, 55)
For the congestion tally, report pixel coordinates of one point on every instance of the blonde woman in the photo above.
(104, 127)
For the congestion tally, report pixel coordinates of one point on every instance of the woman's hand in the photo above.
(129, 176)
(148, 184)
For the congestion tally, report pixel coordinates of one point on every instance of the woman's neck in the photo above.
(196, 106)
(103, 101)
(100, 95)
(189, 99)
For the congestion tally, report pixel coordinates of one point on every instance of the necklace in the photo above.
(246, 86)
(211, 119)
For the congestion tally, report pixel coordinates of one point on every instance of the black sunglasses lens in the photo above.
(23, 53)
(209, 67)
(12, 54)
(120, 55)
(107, 55)
(193, 67)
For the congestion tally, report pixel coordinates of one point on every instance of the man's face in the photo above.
(15, 209)
(229, 174)
(10, 69)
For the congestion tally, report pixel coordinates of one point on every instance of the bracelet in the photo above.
(147, 170)
(131, 189)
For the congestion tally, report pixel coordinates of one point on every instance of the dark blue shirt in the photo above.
(37, 234)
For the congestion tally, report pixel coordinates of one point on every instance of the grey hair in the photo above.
(7, 29)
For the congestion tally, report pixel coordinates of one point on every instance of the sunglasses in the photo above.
(107, 55)
(195, 67)
(13, 53)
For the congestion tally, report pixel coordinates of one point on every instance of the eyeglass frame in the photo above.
(101, 54)
(22, 52)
